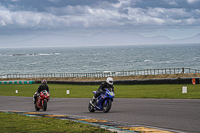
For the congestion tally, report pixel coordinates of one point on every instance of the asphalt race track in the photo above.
(174, 114)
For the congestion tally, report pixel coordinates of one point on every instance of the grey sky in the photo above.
(171, 18)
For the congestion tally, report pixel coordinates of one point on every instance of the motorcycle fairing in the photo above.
(102, 99)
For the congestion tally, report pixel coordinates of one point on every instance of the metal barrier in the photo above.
(130, 82)
(106, 73)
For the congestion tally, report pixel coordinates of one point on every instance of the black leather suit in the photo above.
(102, 88)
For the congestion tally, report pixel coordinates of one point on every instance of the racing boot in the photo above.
(35, 99)
(93, 101)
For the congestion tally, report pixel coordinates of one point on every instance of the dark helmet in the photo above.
(44, 82)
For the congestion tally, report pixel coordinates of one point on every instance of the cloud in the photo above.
(101, 14)
(192, 1)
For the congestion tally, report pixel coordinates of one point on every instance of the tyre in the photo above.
(45, 105)
(91, 108)
(106, 105)
(36, 108)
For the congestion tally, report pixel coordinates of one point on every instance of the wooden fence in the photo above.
(106, 73)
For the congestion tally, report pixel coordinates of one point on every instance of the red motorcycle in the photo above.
(42, 100)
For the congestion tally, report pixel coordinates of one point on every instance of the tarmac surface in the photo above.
(178, 115)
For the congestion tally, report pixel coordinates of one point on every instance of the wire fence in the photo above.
(105, 73)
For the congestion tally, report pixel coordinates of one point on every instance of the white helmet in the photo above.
(109, 80)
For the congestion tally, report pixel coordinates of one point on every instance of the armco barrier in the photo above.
(158, 81)
(73, 82)
(17, 82)
(130, 82)
(117, 82)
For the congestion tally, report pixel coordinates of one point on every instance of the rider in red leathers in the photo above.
(42, 87)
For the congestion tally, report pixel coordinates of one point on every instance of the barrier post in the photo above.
(184, 89)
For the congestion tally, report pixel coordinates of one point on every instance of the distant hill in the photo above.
(193, 39)
(117, 38)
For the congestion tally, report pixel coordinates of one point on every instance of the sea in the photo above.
(89, 59)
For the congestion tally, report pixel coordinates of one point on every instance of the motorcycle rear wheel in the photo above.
(36, 108)
(91, 108)
(106, 105)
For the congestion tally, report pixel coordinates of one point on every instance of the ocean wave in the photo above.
(40, 54)
(147, 60)
(34, 63)
(31, 54)
(196, 58)
(18, 54)
(165, 62)
(45, 54)
(96, 59)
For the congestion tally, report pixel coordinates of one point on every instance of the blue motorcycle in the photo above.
(103, 103)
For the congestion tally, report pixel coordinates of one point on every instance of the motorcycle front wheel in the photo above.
(107, 105)
(91, 108)
(45, 105)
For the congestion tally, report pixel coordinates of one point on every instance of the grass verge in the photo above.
(15, 123)
(121, 91)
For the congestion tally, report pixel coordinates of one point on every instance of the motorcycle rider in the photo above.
(42, 87)
(101, 89)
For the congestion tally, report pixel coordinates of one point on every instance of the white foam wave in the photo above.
(44, 54)
(165, 62)
(31, 54)
(34, 63)
(49, 54)
(40, 54)
(147, 60)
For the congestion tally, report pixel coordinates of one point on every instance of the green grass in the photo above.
(19, 123)
(159, 91)
(15, 123)
(121, 91)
